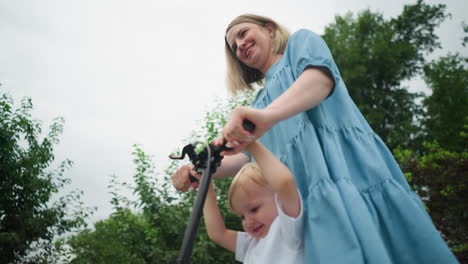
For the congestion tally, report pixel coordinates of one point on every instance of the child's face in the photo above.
(256, 206)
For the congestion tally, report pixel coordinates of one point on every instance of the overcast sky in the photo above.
(124, 72)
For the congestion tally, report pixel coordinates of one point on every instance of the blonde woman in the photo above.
(358, 206)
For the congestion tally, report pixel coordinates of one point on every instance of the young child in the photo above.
(266, 197)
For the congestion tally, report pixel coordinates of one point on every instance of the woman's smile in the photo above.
(247, 51)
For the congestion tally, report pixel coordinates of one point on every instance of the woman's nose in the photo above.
(241, 44)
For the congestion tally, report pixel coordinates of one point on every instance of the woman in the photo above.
(358, 206)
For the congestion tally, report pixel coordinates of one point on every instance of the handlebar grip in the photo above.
(248, 125)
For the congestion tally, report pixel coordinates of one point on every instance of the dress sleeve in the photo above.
(307, 49)
(247, 154)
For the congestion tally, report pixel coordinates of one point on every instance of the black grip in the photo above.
(248, 125)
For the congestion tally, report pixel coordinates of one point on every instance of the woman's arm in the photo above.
(279, 177)
(310, 88)
(215, 224)
(230, 165)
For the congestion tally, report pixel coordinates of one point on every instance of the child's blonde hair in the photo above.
(240, 76)
(248, 174)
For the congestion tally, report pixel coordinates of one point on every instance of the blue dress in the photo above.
(358, 206)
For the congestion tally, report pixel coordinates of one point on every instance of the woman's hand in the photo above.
(236, 136)
(181, 179)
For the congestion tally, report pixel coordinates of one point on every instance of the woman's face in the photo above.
(252, 45)
(257, 209)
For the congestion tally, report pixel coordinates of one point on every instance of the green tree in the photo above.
(447, 106)
(375, 55)
(122, 238)
(438, 173)
(150, 229)
(440, 178)
(30, 219)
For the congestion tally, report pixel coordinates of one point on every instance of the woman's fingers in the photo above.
(233, 144)
(236, 136)
(218, 142)
(195, 174)
(194, 184)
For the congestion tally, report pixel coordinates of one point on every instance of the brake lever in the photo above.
(199, 160)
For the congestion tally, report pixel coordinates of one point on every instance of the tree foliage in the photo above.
(376, 55)
(439, 173)
(30, 219)
(447, 106)
(145, 230)
(440, 178)
(122, 238)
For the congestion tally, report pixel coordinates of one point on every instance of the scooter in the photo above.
(205, 162)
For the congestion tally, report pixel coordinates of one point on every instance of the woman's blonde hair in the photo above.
(240, 76)
(248, 174)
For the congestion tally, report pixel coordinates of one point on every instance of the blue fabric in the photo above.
(358, 206)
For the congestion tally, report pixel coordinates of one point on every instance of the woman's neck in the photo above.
(272, 60)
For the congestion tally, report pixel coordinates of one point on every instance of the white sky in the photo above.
(124, 72)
